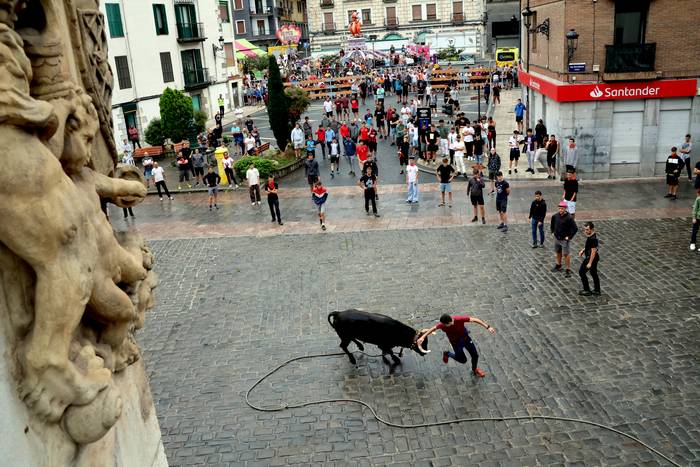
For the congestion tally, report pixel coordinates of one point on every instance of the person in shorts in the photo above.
(563, 229)
(311, 170)
(552, 147)
(571, 193)
(494, 166)
(445, 174)
(514, 145)
(502, 192)
(674, 167)
(212, 180)
(198, 163)
(432, 141)
(475, 191)
(319, 195)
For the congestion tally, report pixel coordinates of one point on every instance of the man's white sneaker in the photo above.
(252, 204)
(692, 247)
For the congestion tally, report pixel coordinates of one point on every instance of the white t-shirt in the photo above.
(227, 162)
(459, 148)
(253, 176)
(513, 142)
(249, 143)
(412, 173)
(158, 174)
(452, 139)
(328, 106)
(469, 134)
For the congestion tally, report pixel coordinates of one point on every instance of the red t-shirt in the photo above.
(457, 330)
(344, 131)
(364, 132)
(355, 105)
(321, 135)
(362, 152)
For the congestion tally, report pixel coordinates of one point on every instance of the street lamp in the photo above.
(220, 47)
(571, 43)
(527, 21)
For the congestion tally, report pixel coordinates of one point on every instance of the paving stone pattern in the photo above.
(231, 309)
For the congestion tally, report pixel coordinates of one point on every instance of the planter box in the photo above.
(284, 171)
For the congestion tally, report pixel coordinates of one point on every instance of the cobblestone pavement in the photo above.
(230, 309)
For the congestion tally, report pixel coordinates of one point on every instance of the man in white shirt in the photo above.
(405, 113)
(253, 177)
(127, 153)
(469, 141)
(513, 144)
(412, 180)
(249, 142)
(328, 107)
(451, 140)
(459, 156)
(297, 137)
(159, 177)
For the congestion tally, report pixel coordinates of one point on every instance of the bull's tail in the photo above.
(333, 315)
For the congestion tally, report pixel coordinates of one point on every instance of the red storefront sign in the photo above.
(658, 89)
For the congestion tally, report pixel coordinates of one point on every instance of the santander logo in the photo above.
(596, 93)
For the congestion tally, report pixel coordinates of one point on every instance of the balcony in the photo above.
(391, 23)
(389, 1)
(328, 28)
(628, 58)
(326, 3)
(190, 32)
(196, 78)
(267, 11)
(457, 18)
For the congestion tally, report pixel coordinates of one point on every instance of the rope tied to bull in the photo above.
(431, 424)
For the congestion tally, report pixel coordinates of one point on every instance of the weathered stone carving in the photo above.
(72, 291)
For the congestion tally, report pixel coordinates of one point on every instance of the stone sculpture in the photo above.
(72, 291)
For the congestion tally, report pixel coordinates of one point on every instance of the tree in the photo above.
(277, 105)
(259, 62)
(200, 121)
(298, 101)
(176, 114)
(154, 133)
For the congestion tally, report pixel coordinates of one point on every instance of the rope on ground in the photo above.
(425, 425)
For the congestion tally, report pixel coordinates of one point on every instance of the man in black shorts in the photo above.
(674, 166)
(502, 192)
(475, 191)
(494, 166)
(432, 141)
(311, 169)
(379, 117)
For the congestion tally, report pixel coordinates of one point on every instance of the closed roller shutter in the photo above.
(628, 121)
(674, 124)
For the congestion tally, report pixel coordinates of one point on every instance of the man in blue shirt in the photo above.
(519, 113)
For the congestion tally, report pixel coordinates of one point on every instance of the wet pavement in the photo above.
(239, 295)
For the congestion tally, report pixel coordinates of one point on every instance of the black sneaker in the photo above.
(483, 220)
(541, 245)
(668, 195)
(516, 170)
(534, 245)
(596, 292)
(500, 226)
(509, 172)
(376, 215)
(557, 267)
(475, 219)
(281, 223)
(567, 273)
(585, 293)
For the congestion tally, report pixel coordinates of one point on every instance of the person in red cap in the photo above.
(563, 229)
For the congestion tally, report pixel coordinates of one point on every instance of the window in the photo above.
(166, 65)
(237, 4)
(350, 12)
(457, 12)
(160, 19)
(228, 52)
(223, 12)
(299, 8)
(328, 21)
(240, 27)
(261, 27)
(114, 20)
(123, 76)
(366, 16)
(431, 12)
(504, 28)
(630, 21)
(417, 12)
(533, 36)
(391, 14)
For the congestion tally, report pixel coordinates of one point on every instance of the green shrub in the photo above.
(200, 121)
(277, 105)
(154, 133)
(176, 114)
(264, 166)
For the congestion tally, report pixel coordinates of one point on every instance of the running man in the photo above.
(457, 333)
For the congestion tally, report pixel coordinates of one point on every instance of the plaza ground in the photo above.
(239, 295)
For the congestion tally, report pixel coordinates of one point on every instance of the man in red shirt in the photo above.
(364, 133)
(321, 140)
(454, 327)
(362, 152)
(344, 131)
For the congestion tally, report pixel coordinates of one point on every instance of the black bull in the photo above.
(373, 328)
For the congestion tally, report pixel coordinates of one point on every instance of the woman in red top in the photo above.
(454, 327)
(321, 140)
(355, 105)
(372, 141)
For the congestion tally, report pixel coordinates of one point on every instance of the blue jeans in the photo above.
(458, 354)
(534, 231)
(412, 192)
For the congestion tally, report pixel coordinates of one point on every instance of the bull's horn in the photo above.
(423, 349)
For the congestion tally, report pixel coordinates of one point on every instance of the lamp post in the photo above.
(527, 22)
(571, 44)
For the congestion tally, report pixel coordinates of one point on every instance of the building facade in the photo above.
(258, 20)
(438, 23)
(159, 44)
(621, 77)
(502, 24)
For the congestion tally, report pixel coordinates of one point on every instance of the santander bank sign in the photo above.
(657, 89)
